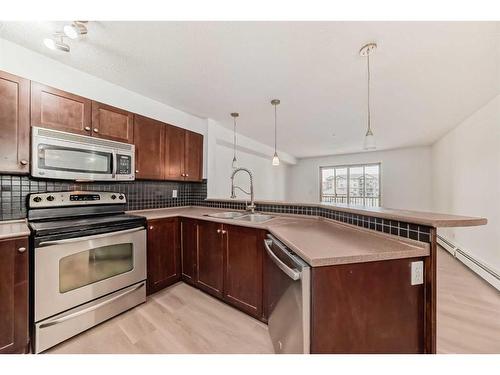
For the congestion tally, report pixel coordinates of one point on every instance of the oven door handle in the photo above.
(82, 239)
(91, 308)
(292, 273)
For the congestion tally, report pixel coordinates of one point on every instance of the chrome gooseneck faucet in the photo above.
(250, 207)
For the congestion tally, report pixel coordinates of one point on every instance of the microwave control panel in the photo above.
(124, 164)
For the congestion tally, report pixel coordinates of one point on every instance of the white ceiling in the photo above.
(426, 76)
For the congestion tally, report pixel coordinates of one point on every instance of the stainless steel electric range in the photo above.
(88, 262)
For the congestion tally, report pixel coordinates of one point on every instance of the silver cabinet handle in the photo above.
(24, 162)
(86, 238)
(187, 175)
(219, 230)
(90, 308)
(151, 227)
(136, 171)
(96, 130)
(292, 273)
(87, 128)
(224, 231)
(21, 249)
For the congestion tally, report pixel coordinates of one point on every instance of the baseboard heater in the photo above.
(484, 271)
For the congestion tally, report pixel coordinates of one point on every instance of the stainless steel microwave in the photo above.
(61, 155)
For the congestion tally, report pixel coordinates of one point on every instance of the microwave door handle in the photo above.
(113, 162)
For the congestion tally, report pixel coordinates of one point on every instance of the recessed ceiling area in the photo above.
(426, 76)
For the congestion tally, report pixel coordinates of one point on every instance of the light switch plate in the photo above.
(417, 273)
(174, 193)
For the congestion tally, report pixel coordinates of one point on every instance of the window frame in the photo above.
(348, 166)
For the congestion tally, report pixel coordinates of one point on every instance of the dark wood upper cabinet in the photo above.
(14, 123)
(210, 258)
(112, 123)
(14, 295)
(189, 249)
(149, 140)
(193, 162)
(60, 110)
(163, 253)
(175, 152)
(243, 268)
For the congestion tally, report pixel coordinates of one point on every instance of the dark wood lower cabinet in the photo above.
(163, 254)
(367, 308)
(243, 268)
(210, 258)
(14, 295)
(189, 249)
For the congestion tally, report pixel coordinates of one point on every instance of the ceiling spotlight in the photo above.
(56, 42)
(75, 30)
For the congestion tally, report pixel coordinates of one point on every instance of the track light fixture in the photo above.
(56, 42)
(76, 30)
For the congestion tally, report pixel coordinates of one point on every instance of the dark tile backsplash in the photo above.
(140, 194)
(158, 194)
(397, 228)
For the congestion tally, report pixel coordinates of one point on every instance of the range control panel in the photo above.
(74, 198)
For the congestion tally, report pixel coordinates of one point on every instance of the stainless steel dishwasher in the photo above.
(288, 298)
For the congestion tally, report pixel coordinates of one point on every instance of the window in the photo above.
(351, 184)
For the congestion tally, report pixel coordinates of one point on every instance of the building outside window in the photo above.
(351, 184)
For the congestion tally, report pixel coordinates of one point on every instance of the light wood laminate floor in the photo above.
(181, 319)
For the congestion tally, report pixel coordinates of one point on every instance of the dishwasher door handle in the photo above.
(290, 272)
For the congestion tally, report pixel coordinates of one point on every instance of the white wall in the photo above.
(466, 180)
(269, 181)
(405, 176)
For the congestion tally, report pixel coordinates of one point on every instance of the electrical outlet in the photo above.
(174, 193)
(417, 273)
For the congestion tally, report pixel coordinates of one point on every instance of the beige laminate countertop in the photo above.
(320, 242)
(432, 219)
(14, 228)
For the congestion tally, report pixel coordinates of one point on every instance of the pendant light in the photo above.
(276, 159)
(366, 51)
(234, 115)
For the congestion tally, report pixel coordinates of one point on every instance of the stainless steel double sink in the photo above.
(242, 216)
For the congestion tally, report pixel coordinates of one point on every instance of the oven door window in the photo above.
(74, 159)
(88, 267)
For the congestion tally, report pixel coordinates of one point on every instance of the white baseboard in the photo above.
(485, 271)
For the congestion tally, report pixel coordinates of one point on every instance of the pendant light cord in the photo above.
(368, 92)
(234, 138)
(275, 128)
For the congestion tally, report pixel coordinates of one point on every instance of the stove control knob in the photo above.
(113, 196)
(37, 199)
(50, 198)
(121, 197)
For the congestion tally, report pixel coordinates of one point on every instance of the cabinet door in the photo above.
(243, 268)
(163, 253)
(210, 258)
(149, 141)
(60, 110)
(14, 123)
(112, 123)
(174, 158)
(14, 295)
(367, 308)
(189, 248)
(193, 164)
